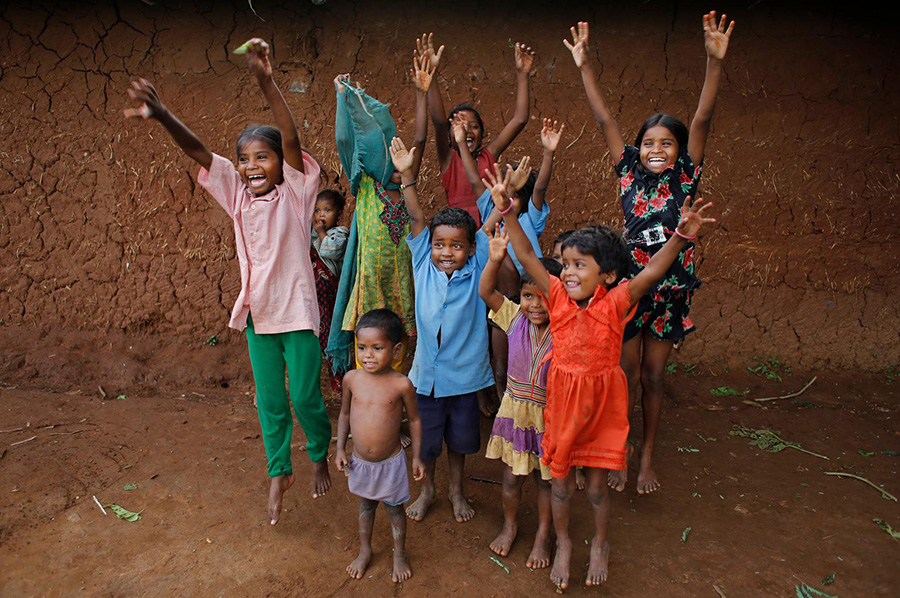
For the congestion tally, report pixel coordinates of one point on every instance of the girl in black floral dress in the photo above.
(657, 176)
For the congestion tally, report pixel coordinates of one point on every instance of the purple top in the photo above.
(528, 355)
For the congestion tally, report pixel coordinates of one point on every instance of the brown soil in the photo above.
(117, 270)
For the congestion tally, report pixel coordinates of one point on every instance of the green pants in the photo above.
(300, 352)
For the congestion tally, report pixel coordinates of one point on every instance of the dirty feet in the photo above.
(560, 572)
(419, 509)
(504, 540)
(321, 479)
(617, 479)
(647, 480)
(357, 568)
(462, 510)
(401, 572)
(540, 552)
(598, 569)
(277, 488)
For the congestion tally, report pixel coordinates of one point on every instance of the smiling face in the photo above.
(450, 248)
(659, 149)
(374, 350)
(532, 305)
(474, 133)
(327, 213)
(259, 166)
(581, 275)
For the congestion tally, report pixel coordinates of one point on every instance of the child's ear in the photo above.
(398, 351)
(609, 278)
(472, 250)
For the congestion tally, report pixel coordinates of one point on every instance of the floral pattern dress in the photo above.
(652, 206)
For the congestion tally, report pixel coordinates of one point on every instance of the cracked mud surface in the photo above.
(116, 268)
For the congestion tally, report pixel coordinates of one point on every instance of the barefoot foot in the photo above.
(540, 552)
(277, 488)
(617, 479)
(598, 569)
(405, 440)
(419, 509)
(647, 480)
(579, 478)
(462, 510)
(357, 568)
(560, 572)
(401, 572)
(504, 540)
(321, 479)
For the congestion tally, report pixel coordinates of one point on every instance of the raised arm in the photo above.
(550, 135)
(459, 128)
(692, 220)
(403, 162)
(487, 286)
(524, 62)
(499, 186)
(581, 55)
(258, 61)
(425, 47)
(716, 39)
(152, 107)
(422, 74)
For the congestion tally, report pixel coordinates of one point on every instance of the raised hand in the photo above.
(258, 57)
(579, 45)
(459, 128)
(144, 92)
(692, 218)
(520, 174)
(422, 72)
(497, 246)
(425, 48)
(499, 185)
(400, 156)
(524, 58)
(550, 134)
(715, 36)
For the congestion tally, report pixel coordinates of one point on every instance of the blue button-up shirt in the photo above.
(449, 306)
(533, 222)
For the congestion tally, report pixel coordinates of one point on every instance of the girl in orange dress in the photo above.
(586, 417)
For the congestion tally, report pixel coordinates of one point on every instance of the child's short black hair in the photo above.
(605, 245)
(563, 236)
(550, 265)
(457, 218)
(527, 190)
(385, 320)
(674, 125)
(268, 134)
(462, 107)
(334, 196)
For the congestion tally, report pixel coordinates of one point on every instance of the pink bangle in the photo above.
(508, 208)
(684, 236)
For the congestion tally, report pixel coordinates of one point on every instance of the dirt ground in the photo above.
(760, 522)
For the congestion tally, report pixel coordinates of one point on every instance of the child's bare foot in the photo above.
(321, 479)
(419, 509)
(277, 488)
(647, 480)
(357, 568)
(540, 552)
(598, 569)
(405, 440)
(504, 540)
(617, 479)
(401, 572)
(462, 510)
(579, 478)
(560, 572)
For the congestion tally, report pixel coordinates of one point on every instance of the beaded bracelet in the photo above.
(402, 186)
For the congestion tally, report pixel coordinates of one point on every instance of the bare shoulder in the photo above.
(350, 378)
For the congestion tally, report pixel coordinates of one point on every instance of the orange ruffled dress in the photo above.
(586, 417)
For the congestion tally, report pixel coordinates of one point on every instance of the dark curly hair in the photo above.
(271, 136)
(605, 245)
(334, 196)
(385, 320)
(563, 236)
(457, 218)
(550, 265)
(675, 126)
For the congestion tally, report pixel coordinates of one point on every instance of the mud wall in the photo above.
(104, 232)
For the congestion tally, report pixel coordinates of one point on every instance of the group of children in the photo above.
(571, 337)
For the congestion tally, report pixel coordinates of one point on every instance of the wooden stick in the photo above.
(99, 505)
(13, 430)
(884, 492)
(579, 136)
(718, 591)
(23, 441)
(790, 396)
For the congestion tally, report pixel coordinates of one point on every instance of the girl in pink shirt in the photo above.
(271, 197)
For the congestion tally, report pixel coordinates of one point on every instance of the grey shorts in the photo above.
(384, 481)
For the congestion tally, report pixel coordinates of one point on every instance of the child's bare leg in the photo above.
(562, 490)
(357, 568)
(631, 365)
(540, 552)
(462, 510)
(277, 488)
(653, 371)
(512, 496)
(598, 494)
(401, 572)
(419, 508)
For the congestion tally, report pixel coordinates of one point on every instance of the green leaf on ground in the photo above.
(829, 580)
(685, 534)
(890, 453)
(895, 534)
(769, 440)
(121, 397)
(865, 453)
(123, 513)
(806, 591)
(496, 560)
(726, 391)
(131, 486)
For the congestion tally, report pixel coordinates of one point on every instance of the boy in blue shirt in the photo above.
(451, 361)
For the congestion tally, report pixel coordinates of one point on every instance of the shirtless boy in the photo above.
(372, 408)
